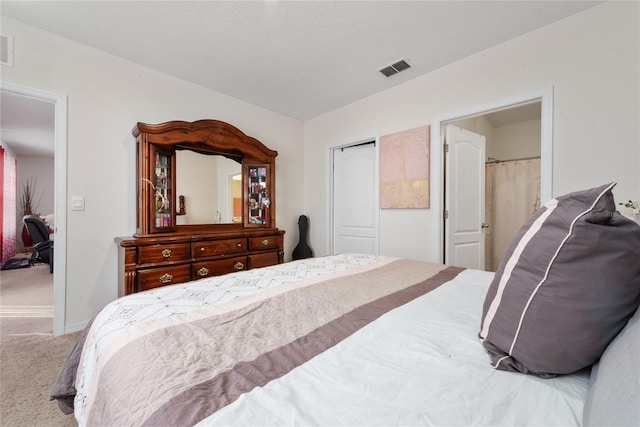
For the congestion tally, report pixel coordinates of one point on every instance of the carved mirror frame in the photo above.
(202, 136)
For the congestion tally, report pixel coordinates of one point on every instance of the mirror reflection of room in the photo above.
(203, 180)
(235, 181)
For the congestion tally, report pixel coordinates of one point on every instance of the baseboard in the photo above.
(69, 329)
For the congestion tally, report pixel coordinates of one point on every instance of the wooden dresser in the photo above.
(173, 245)
(159, 261)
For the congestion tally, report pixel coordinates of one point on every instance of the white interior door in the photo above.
(355, 201)
(464, 198)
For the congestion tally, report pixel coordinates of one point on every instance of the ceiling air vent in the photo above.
(395, 68)
(6, 50)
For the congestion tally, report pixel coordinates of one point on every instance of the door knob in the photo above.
(484, 225)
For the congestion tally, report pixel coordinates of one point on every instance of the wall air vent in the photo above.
(6, 50)
(395, 68)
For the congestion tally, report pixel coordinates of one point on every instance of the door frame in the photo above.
(544, 96)
(60, 195)
(330, 202)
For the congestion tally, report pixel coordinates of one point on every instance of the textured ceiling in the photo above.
(298, 58)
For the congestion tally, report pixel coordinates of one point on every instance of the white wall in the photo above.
(106, 97)
(590, 59)
(517, 140)
(511, 141)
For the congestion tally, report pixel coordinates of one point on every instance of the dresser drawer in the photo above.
(265, 242)
(263, 260)
(218, 247)
(161, 253)
(163, 276)
(216, 268)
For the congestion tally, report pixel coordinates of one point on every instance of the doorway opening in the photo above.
(518, 134)
(59, 190)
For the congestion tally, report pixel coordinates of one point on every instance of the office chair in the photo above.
(43, 246)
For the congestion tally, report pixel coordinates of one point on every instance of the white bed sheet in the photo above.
(421, 364)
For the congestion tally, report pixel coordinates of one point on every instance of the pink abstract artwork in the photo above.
(404, 169)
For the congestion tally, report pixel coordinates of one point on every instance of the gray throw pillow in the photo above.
(567, 285)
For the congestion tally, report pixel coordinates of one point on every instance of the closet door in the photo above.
(355, 201)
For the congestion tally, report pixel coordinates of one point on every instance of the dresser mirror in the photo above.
(200, 177)
(211, 185)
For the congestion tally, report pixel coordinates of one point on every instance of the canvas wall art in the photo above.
(404, 169)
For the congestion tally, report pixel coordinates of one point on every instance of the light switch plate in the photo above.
(77, 203)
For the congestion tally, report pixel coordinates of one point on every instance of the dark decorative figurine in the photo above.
(181, 206)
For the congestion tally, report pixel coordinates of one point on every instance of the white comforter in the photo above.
(421, 364)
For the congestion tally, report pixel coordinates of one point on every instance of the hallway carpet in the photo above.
(30, 356)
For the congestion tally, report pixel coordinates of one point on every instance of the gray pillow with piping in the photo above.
(566, 286)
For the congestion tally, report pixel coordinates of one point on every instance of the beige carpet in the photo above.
(26, 291)
(30, 356)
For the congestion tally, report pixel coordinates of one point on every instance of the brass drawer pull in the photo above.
(166, 278)
(265, 242)
(239, 245)
(203, 272)
(202, 249)
(166, 253)
(238, 266)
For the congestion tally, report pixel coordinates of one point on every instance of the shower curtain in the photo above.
(512, 196)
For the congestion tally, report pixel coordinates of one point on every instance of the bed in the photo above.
(349, 339)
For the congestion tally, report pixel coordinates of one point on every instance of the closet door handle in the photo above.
(484, 225)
